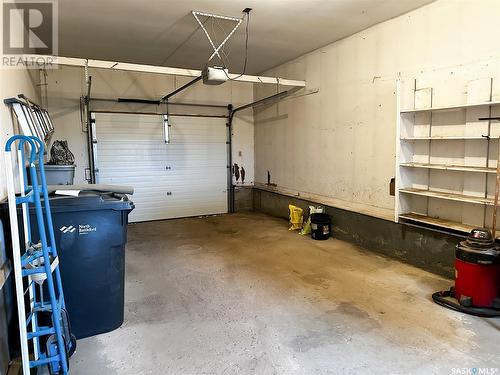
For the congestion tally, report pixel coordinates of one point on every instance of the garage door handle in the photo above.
(169, 193)
(168, 167)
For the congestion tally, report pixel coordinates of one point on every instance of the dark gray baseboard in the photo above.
(424, 248)
(243, 198)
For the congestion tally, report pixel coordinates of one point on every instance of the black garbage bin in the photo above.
(91, 233)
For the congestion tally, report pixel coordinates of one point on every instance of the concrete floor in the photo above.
(241, 294)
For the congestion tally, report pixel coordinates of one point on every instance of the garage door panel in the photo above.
(166, 182)
(177, 199)
(133, 135)
(175, 202)
(201, 172)
(118, 167)
(173, 156)
(158, 187)
(186, 177)
(153, 211)
(184, 153)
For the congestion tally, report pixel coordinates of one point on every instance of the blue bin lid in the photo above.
(90, 201)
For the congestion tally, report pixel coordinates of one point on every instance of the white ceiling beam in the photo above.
(102, 64)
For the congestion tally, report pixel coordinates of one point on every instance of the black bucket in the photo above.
(321, 226)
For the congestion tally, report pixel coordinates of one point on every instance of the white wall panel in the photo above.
(12, 83)
(339, 144)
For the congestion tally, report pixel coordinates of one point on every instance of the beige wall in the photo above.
(12, 83)
(339, 145)
(66, 85)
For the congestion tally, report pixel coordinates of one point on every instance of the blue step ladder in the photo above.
(43, 323)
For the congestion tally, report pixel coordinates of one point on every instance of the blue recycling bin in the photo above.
(91, 234)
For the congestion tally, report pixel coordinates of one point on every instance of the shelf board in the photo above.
(436, 222)
(448, 167)
(444, 138)
(451, 107)
(448, 196)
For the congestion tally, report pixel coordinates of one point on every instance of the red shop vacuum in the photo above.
(477, 276)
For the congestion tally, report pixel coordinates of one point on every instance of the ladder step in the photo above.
(45, 361)
(28, 198)
(38, 273)
(33, 271)
(30, 256)
(38, 307)
(42, 331)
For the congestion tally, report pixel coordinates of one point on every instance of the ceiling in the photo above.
(163, 32)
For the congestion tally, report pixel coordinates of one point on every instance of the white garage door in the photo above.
(186, 177)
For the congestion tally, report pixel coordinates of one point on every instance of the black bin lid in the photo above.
(479, 248)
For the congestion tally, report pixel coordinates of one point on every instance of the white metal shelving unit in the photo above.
(446, 159)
